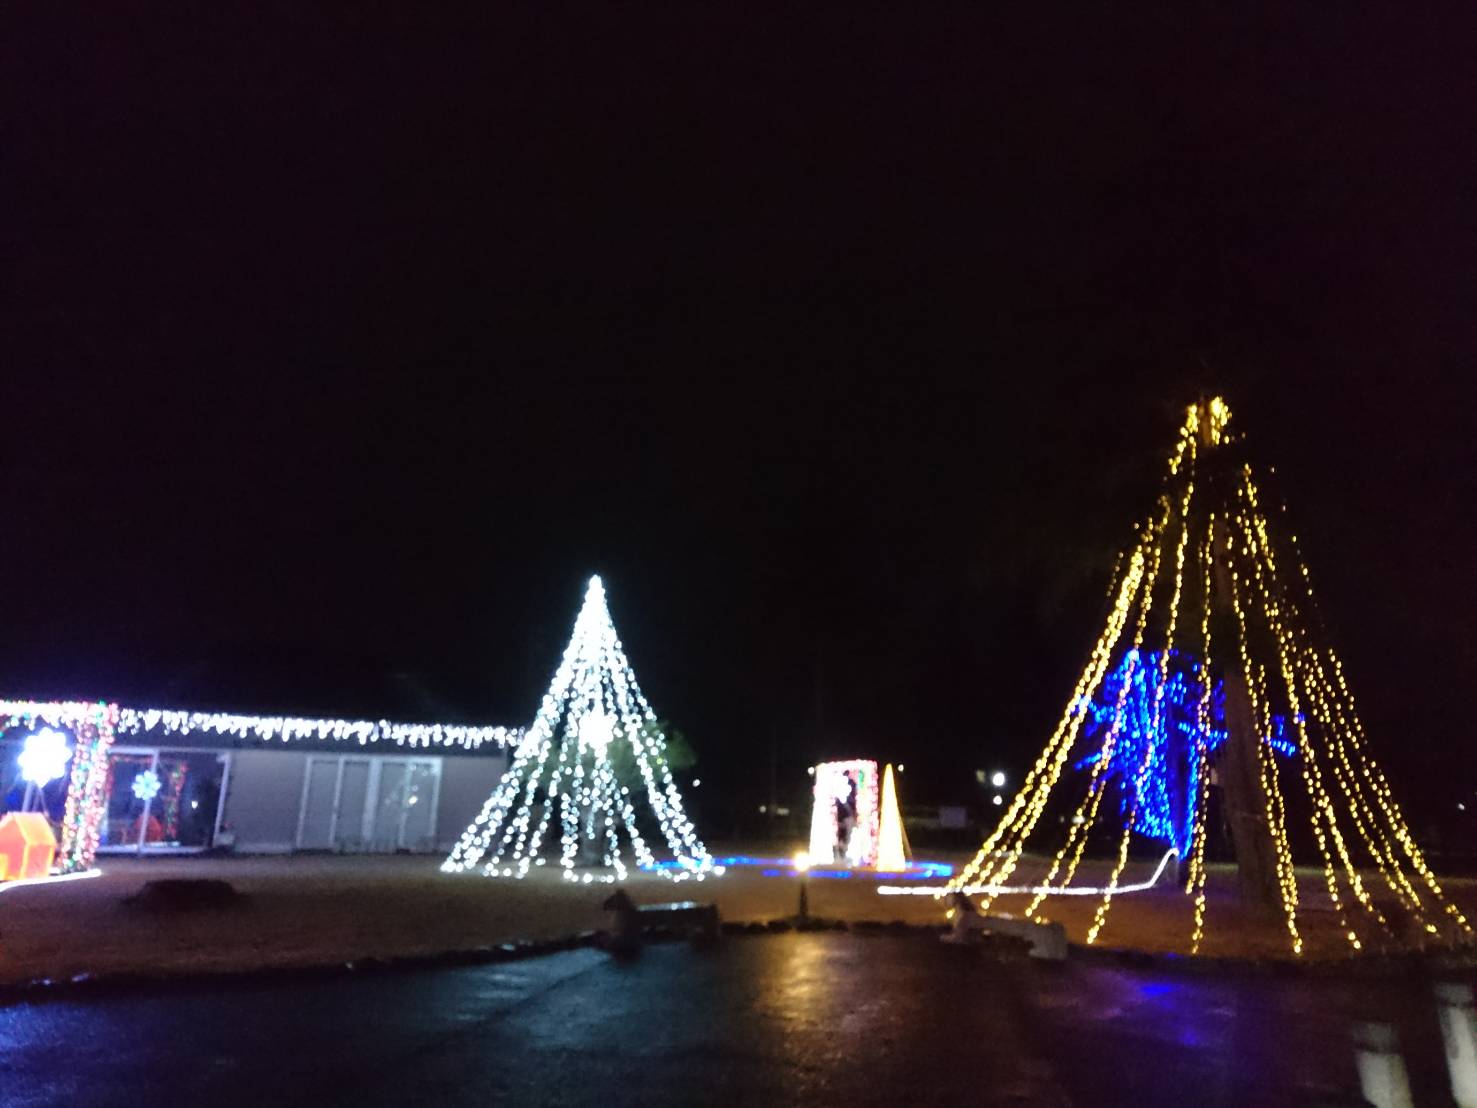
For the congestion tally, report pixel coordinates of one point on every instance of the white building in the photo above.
(179, 782)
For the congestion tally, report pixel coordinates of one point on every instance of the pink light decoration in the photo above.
(849, 783)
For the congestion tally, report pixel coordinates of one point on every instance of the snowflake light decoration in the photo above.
(146, 785)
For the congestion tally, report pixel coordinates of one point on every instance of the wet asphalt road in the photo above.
(822, 1018)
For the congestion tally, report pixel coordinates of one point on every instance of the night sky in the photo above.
(339, 349)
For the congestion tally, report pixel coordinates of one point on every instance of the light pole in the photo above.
(802, 869)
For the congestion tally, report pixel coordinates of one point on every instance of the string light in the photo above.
(891, 852)
(1155, 724)
(1040, 890)
(1195, 882)
(1164, 719)
(562, 768)
(134, 721)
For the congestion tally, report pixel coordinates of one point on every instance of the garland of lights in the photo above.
(132, 721)
(1160, 709)
(562, 769)
(265, 729)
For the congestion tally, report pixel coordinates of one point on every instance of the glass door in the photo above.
(182, 814)
(350, 831)
(418, 824)
(316, 831)
(128, 792)
(369, 804)
(389, 808)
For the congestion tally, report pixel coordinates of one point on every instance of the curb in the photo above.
(41, 990)
(90, 985)
(1360, 966)
(86, 985)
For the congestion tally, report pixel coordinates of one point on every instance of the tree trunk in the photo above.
(1240, 775)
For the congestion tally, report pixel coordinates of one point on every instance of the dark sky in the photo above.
(340, 347)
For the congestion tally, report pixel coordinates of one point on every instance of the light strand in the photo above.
(594, 706)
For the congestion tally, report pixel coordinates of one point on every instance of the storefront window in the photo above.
(161, 799)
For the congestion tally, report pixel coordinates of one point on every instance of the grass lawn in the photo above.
(312, 910)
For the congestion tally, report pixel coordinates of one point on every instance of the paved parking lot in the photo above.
(823, 1018)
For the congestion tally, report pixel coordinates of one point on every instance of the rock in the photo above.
(185, 894)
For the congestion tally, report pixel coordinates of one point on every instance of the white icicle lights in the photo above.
(562, 771)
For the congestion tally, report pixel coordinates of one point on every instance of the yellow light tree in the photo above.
(891, 853)
(1212, 575)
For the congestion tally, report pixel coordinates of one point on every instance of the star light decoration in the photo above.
(562, 772)
(44, 757)
(1211, 550)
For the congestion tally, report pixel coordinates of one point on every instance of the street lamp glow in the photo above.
(996, 800)
(998, 779)
(802, 861)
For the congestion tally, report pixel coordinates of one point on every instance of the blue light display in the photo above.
(1165, 736)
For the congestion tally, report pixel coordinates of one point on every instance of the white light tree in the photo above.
(562, 771)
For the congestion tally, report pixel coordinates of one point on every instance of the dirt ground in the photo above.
(313, 910)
